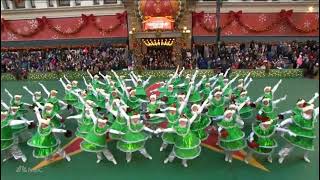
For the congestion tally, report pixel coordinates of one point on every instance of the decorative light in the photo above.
(310, 9)
(158, 42)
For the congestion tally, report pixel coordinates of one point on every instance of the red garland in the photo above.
(6, 24)
(74, 31)
(122, 17)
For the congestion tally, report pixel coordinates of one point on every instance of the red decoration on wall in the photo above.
(284, 20)
(38, 25)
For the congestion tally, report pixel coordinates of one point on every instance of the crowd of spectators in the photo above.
(253, 55)
(158, 58)
(58, 60)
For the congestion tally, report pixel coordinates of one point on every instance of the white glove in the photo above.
(251, 139)
(292, 134)
(284, 98)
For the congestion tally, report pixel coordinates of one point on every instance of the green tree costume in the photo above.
(305, 132)
(95, 139)
(152, 108)
(120, 124)
(54, 120)
(187, 144)
(216, 108)
(44, 142)
(84, 125)
(199, 125)
(234, 140)
(264, 138)
(246, 111)
(7, 139)
(134, 139)
(169, 137)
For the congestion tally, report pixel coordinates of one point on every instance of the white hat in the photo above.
(37, 93)
(45, 121)
(216, 88)
(54, 91)
(183, 119)
(170, 86)
(133, 90)
(48, 105)
(181, 96)
(171, 108)
(218, 93)
(233, 106)
(17, 96)
(267, 88)
(68, 85)
(4, 113)
(302, 101)
(117, 101)
(225, 80)
(89, 102)
(96, 76)
(265, 99)
(240, 85)
(195, 105)
(240, 80)
(129, 87)
(14, 107)
(228, 112)
(153, 96)
(74, 82)
(243, 93)
(207, 84)
(188, 76)
(102, 120)
(137, 116)
(220, 74)
(307, 108)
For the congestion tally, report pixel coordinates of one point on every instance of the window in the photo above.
(50, 3)
(110, 1)
(78, 2)
(96, 2)
(19, 4)
(64, 2)
(32, 4)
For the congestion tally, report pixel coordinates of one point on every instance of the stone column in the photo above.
(72, 3)
(27, 4)
(86, 3)
(55, 3)
(101, 2)
(119, 2)
(11, 5)
(3, 5)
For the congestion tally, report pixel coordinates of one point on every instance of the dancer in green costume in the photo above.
(95, 81)
(139, 85)
(154, 107)
(56, 121)
(246, 111)
(195, 96)
(120, 123)
(44, 142)
(269, 92)
(303, 125)
(231, 138)
(135, 137)
(95, 139)
(172, 117)
(9, 142)
(69, 97)
(261, 140)
(300, 105)
(16, 101)
(186, 143)
(36, 96)
(266, 109)
(52, 98)
(91, 92)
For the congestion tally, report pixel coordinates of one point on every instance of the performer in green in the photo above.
(266, 109)
(16, 101)
(36, 96)
(269, 92)
(261, 140)
(154, 107)
(135, 137)
(231, 138)
(95, 139)
(52, 98)
(48, 113)
(44, 142)
(303, 125)
(9, 142)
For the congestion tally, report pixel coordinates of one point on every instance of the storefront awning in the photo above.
(212, 39)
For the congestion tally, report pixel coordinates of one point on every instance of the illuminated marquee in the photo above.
(156, 23)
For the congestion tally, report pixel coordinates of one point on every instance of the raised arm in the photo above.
(193, 118)
(68, 81)
(80, 98)
(146, 81)
(37, 112)
(30, 92)
(316, 112)
(4, 105)
(93, 117)
(148, 129)
(162, 115)
(194, 76)
(185, 101)
(276, 86)
(247, 85)
(45, 89)
(240, 106)
(286, 121)
(205, 103)
(246, 78)
(200, 82)
(213, 77)
(285, 130)
(63, 84)
(214, 83)
(279, 100)
(85, 81)
(78, 116)
(316, 95)
(134, 76)
(9, 94)
(104, 77)
(90, 75)
(180, 73)
(226, 73)
(229, 83)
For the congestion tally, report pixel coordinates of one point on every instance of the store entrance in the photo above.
(158, 54)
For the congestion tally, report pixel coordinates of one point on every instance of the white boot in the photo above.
(145, 153)
(99, 157)
(270, 159)
(109, 156)
(163, 146)
(128, 156)
(184, 163)
(306, 158)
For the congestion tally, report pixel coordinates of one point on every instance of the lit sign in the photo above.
(155, 23)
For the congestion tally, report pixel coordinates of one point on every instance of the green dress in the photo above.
(246, 111)
(84, 125)
(91, 96)
(70, 98)
(44, 142)
(199, 126)
(16, 129)
(172, 96)
(134, 139)
(133, 102)
(54, 120)
(234, 141)
(305, 131)
(268, 95)
(195, 96)
(95, 139)
(267, 112)
(101, 101)
(216, 108)
(22, 110)
(140, 92)
(7, 139)
(169, 137)
(186, 144)
(205, 92)
(264, 138)
(152, 108)
(41, 101)
(55, 102)
(120, 124)
(96, 84)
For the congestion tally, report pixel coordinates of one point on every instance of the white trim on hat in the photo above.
(4, 112)
(48, 105)
(307, 108)
(233, 106)
(243, 93)
(195, 105)
(17, 96)
(102, 120)
(171, 109)
(302, 101)
(137, 116)
(228, 112)
(45, 121)
(267, 88)
(183, 119)
(153, 96)
(218, 93)
(217, 88)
